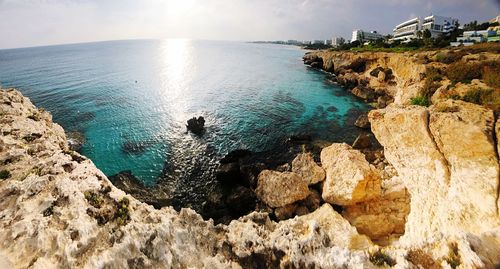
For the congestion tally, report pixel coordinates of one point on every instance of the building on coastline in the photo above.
(328, 42)
(472, 37)
(317, 42)
(439, 25)
(410, 29)
(407, 30)
(362, 36)
(337, 41)
(293, 42)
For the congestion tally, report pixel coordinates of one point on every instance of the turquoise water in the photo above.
(140, 93)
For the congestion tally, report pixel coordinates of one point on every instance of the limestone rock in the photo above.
(383, 218)
(278, 189)
(363, 93)
(349, 177)
(449, 165)
(305, 166)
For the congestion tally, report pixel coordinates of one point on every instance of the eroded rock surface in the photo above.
(305, 166)
(59, 211)
(447, 159)
(278, 189)
(349, 177)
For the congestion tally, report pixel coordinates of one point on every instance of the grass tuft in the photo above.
(4, 174)
(379, 258)
(420, 101)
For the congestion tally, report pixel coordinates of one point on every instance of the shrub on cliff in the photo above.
(379, 258)
(450, 57)
(491, 74)
(463, 72)
(486, 97)
(4, 174)
(420, 101)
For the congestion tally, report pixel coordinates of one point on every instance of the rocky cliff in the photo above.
(430, 201)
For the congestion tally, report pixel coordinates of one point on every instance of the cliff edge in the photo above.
(436, 204)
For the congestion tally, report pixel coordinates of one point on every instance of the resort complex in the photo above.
(417, 28)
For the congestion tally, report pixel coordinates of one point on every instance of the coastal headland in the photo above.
(424, 194)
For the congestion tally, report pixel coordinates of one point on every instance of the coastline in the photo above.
(430, 197)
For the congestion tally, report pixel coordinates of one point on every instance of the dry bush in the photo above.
(419, 257)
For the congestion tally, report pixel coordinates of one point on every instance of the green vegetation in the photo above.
(453, 258)
(379, 258)
(49, 211)
(4, 174)
(420, 101)
(491, 74)
(94, 199)
(450, 57)
(31, 137)
(34, 117)
(122, 214)
(463, 72)
(486, 97)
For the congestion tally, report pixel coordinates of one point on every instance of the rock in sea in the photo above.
(196, 125)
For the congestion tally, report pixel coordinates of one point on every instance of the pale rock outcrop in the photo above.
(305, 166)
(384, 218)
(472, 161)
(446, 157)
(349, 177)
(59, 211)
(278, 189)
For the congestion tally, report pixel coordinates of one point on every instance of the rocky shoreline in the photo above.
(428, 197)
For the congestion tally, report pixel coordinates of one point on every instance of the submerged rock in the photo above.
(363, 141)
(196, 125)
(362, 122)
(75, 140)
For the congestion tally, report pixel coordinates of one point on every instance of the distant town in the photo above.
(430, 31)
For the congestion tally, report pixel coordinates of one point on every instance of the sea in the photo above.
(131, 100)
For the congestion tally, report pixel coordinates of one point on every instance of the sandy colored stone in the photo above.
(278, 189)
(305, 166)
(448, 164)
(349, 177)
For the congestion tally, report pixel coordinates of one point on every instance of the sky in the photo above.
(26, 23)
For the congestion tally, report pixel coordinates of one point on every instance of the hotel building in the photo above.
(438, 25)
(407, 30)
(362, 36)
(337, 41)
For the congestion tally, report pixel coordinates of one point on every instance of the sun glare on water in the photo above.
(176, 59)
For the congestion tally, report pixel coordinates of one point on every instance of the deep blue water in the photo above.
(252, 96)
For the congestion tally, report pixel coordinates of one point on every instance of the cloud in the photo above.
(40, 22)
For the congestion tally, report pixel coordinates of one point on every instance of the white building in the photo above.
(438, 25)
(328, 41)
(337, 41)
(317, 42)
(362, 36)
(471, 37)
(407, 30)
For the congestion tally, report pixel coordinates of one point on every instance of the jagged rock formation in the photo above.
(58, 210)
(349, 177)
(384, 77)
(447, 156)
(431, 201)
